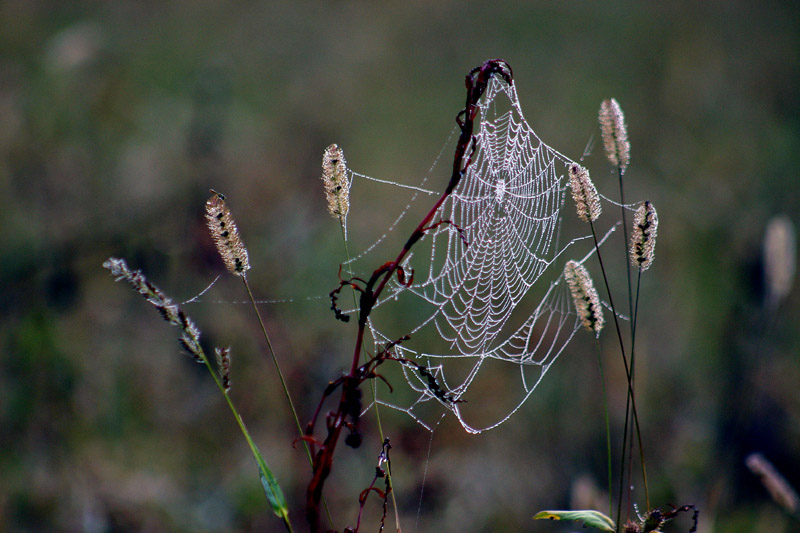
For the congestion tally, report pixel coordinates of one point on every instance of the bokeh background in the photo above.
(117, 117)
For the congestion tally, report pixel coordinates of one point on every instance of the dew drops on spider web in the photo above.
(488, 311)
(500, 190)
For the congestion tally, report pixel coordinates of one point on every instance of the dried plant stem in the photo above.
(608, 425)
(372, 385)
(476, 83)
(630, 389)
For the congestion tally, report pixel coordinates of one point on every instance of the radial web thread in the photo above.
(489, 277)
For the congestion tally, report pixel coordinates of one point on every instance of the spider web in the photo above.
(487, 284)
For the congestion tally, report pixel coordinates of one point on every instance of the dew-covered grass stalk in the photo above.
(233, 253)
(190, 340)
(614, 133)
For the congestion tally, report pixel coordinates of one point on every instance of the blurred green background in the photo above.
(117, 117)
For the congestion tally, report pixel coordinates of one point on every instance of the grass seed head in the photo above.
(584, 295)
(226, 235)
(334, 177)
(643, 236)
(614, 133)
(224, 366)
(190, 333)
(584, 193)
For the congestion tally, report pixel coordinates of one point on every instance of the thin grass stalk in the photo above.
(627, 249)
(634, 321)
(285, 391)
(630, 313)
(642, 248)
(190, 340)
(233, 252)
(636, 308)
(280, 376)
(625, 454)
(253, 448)
(628, 272)
(275, 360)
(628, 375)
(617, 148)
(629, 441)
(632, 376)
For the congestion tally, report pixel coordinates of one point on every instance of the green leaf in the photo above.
(590, 518)
(271, 487)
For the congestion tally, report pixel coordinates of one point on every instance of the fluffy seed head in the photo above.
(587, 201)
(168, 310)
(226, 235)
(643, 236)
(780, 489)
(190, 334)
(224, 366)
(780, 254)
(614, 133)
(337, 185)
(587, 303)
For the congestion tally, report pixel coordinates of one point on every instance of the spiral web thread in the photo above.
(500, 239)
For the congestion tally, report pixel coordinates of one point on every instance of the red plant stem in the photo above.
(475, 89)
(476, 82)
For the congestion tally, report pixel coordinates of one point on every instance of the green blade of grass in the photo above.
(271, 488)
(593, 519)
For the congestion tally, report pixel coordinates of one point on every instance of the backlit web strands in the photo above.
(500, 240)
(537, 343)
